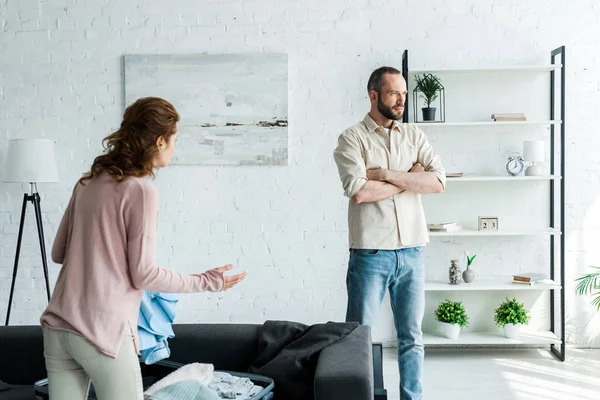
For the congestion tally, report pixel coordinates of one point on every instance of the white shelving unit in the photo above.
(554, 231)
(483, 178)
(510, 68)
(483, 123)
(501, 232)
(541, 338)
(500, 284)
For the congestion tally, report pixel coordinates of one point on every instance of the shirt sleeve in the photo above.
(429, 159)
(141, 214)
(350, 164)
(59, 247)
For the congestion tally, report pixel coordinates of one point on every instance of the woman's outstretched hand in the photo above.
(230, 281)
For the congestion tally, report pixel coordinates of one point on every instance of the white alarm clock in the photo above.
(515, 165)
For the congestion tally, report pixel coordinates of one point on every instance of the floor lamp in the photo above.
(31, 161)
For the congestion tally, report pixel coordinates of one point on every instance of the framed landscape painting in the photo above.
(233, 108)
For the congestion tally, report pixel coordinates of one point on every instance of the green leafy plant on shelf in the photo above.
(452, 312)
(469, 258)
(429, 85)
(511, 312)
(589, 284)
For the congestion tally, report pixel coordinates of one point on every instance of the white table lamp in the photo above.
(533, 152)
(31, 161)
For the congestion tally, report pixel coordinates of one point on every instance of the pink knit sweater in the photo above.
(106, 243)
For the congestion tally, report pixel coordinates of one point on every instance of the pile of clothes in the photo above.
(200, 382)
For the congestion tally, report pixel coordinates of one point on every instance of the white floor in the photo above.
(502, 374)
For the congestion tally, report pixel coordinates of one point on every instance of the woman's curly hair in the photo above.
(130, 150)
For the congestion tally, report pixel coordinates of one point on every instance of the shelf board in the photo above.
(501, 232)
(491, 178)
(514, 68)
(490, 338)
(489, 284)
(485, 123)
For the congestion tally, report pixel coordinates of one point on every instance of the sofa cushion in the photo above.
(230, 347)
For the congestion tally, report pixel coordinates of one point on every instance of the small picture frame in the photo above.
(487, 224)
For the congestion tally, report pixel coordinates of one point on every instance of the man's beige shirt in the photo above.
(398, 221)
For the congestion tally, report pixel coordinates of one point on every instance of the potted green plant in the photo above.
(429, 85)
(589, 284)
(511, 315)
(452, 316)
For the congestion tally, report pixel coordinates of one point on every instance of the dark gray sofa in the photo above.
(344, 370)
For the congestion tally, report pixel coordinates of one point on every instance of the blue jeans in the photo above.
(370, 274)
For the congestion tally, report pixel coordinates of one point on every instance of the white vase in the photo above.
(511, 331)
(451, 331)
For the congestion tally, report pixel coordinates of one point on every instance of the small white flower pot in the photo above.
(511, 331)
(451, 331)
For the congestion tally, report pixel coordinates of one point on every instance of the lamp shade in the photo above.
(533, 151)
(30, 160)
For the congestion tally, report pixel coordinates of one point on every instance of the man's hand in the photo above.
(417, 168)
(379, 174)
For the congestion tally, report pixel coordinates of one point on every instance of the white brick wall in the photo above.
(60, 78)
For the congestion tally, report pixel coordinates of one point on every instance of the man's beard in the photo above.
(388, 112)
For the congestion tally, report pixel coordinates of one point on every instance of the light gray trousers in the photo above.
(73, 363)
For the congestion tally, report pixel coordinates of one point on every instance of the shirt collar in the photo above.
(372, 125)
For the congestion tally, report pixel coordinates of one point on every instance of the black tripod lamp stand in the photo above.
(30, 161)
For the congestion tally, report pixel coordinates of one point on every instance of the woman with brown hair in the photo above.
(106, 243)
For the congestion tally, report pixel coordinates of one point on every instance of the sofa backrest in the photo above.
(227, 346)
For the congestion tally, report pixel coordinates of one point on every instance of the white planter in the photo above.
(451, 331)
(511, 331)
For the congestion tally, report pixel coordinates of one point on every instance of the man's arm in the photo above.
(417, 182)
(376, 192)
(426, 176)
(373, 191)
(353, 174)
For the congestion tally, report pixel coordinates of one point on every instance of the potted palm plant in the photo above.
(430, 86)
(452, 316)
(589, 284)
(510, 315)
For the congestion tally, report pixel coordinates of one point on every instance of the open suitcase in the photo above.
(155, 372)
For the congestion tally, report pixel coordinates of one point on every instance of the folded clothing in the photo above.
(186, 390)
(233, 387)
(201, 373)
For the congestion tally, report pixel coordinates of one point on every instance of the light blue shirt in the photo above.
(157, 313)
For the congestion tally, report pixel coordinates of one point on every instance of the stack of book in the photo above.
(529, 279)
(509, 117)
(444, 227)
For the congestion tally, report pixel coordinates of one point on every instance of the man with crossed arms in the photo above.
(384, 167)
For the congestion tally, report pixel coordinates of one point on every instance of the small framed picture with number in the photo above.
(488, 224)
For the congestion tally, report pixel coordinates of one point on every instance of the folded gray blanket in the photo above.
(288, 353)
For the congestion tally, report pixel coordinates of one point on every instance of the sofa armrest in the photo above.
(345, 369)
(22, 354)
